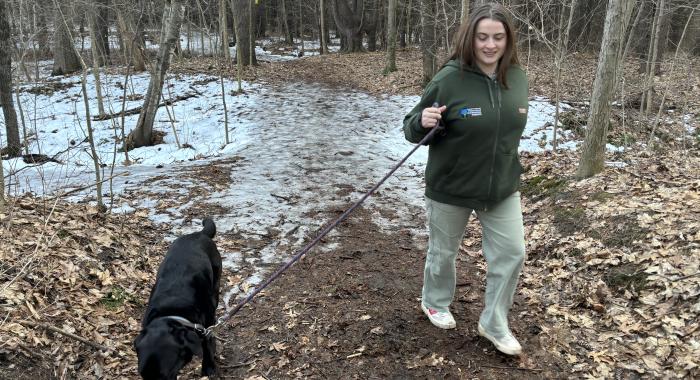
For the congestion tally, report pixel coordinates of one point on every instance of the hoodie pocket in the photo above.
(506, 176)
(468, 178)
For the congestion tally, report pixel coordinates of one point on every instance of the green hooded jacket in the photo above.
(475, 163)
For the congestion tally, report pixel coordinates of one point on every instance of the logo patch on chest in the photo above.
(522, 110)
(469, 112)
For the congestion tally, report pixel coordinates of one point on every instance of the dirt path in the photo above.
(353, 312)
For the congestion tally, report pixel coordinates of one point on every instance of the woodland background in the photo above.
(612, 287)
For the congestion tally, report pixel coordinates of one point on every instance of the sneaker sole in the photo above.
(499, 347)
(435, 323)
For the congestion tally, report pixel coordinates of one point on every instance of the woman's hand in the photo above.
(431, 116)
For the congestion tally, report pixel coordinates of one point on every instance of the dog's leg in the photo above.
(209, 356)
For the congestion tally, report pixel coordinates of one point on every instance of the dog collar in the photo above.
(205, 332)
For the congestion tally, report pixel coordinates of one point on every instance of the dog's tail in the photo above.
(209, 227)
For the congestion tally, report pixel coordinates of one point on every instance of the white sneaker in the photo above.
(443, 320)
(507, 344)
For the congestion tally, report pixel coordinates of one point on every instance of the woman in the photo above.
(482, 96)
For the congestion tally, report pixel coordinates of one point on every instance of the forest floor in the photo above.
(611, 285)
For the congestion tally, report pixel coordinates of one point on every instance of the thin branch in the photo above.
(65, 333)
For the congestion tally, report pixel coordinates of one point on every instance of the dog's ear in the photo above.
(190, 340)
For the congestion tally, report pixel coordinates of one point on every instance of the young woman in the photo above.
(474, 167)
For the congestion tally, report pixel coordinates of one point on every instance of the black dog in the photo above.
(182, 304)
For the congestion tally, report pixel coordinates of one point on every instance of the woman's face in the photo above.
(489, 44)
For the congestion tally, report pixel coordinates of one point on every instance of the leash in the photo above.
(440, 127)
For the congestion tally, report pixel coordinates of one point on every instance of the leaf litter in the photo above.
(611, 286)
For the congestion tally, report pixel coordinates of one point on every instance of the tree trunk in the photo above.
(223, 29)
(63, 18)
(593, 151)
(2, 186)
(391, 38)
(284, 21)
(428, 13)
(100, 25)
(465, 11)
(409, 18)
(65, 59)
(42, 31)
(142, 135)
(241, 22)
(132, 36)
(95, 49)
(251, 32)
(653, 54)
(324, 41)
(691, 43)
(8, 109)
(562, 47)
(349, 19)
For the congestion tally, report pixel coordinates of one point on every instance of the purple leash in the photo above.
(325, 231)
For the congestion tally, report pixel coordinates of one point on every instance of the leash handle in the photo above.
(323, 233)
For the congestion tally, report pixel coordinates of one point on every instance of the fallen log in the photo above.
(137, 110)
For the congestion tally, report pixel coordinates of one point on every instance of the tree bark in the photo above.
(142, 135)
(562, 47)
(65, 59)
(691, 43)
(132, 37)
(349, 18)
(391, 38)
(465, 11)
(223, 29)
(593, 151)
(100, 24)
(8, 109)
(284, 21)
(2, 186)
(42, 30)
(97, 57)
(428, 13)
(323, 27)
(241, 22)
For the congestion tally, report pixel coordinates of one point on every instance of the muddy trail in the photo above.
(350, 308)
(353, 312)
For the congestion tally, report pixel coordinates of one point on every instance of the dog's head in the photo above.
(164, 347)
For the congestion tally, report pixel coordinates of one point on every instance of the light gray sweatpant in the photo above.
(503, 245)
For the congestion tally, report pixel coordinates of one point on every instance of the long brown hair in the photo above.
(464, 43)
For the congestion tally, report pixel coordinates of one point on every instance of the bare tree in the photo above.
(284, 21)
(428, 13)
(241, 22)
(349, 18)
(2, 186)
(593, 151)
(647, 95)
(562, 46)
(61, 17)
(65, 59)
(322, 14)
(465, 10)
(691, 43)
(13, 143)
(223, 28)
(142, 135)
(97, 56)
(133, 43)
(391, 38)
(98, 14)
